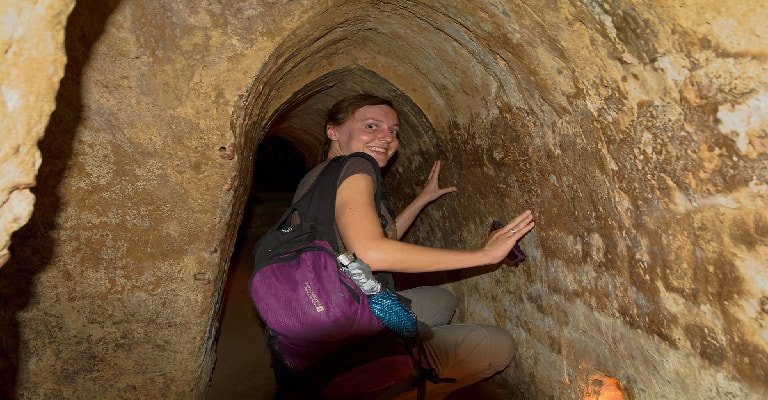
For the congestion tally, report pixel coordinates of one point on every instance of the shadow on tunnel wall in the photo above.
(32, 245)
(408, 281)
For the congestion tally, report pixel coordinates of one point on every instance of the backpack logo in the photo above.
(313, 298)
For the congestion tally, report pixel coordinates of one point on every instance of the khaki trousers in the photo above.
(466, 352)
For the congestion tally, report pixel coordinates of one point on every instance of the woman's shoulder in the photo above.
(352, 166)
(357, 165)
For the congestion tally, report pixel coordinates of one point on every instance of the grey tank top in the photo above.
(354, 165)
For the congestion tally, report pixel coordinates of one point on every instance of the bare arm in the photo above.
(429, 193)
(360, 230)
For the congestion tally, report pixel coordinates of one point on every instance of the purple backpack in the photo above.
(309, 307)
(312, 310)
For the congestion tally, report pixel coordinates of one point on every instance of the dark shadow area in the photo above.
(32, 246)
(408, 281)
(242, 369)
(278, 166)
(277, 170)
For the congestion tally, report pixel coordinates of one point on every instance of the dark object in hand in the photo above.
(516, 255)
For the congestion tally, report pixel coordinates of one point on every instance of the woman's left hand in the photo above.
(432, 190)
(429, 193)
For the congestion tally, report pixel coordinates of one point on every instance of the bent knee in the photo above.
(501, 344)
(470, 352)
(432, 304)
(442, 296)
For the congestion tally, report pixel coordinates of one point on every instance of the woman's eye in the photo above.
(394, 132)
(370, 126)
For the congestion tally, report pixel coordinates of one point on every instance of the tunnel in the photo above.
(636, 132)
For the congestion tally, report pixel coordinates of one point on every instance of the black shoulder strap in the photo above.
(319, 201)
(315, 210)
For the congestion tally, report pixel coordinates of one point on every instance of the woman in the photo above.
(465, 352)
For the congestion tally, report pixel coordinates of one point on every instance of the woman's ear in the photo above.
(330, 131)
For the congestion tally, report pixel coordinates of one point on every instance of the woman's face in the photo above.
(370, 129)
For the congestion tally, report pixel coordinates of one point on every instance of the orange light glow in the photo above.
(603, 387)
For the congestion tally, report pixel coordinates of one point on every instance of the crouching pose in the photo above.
(466, 352)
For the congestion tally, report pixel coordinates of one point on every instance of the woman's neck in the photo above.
(335, 150)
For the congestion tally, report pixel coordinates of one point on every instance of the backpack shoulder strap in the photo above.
(315, 210)
(319, 202)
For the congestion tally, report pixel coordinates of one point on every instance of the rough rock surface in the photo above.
(31, 40)
(635, 130)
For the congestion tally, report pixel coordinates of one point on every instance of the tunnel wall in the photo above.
(31, 40)
(617, 136)
(635, 131)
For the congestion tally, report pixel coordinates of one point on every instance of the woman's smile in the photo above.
(370, 129)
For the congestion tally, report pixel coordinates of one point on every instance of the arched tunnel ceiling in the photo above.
(634, 129)
(302, 120)
(500, 86)
(582, 111)
(423, 52)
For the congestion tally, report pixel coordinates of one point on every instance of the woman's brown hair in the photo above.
(344, 108)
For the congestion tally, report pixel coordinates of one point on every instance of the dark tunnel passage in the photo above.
(635, 130)
(517, 126)
(277, 168)
(301, 118)
(292, 145)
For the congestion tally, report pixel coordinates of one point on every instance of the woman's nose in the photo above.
(386, 137)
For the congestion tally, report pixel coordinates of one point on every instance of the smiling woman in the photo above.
(372, 128)
(369, 124)
(622, 123)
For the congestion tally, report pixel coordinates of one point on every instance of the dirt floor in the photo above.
(242, 368)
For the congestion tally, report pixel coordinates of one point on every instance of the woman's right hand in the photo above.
(501, 241)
